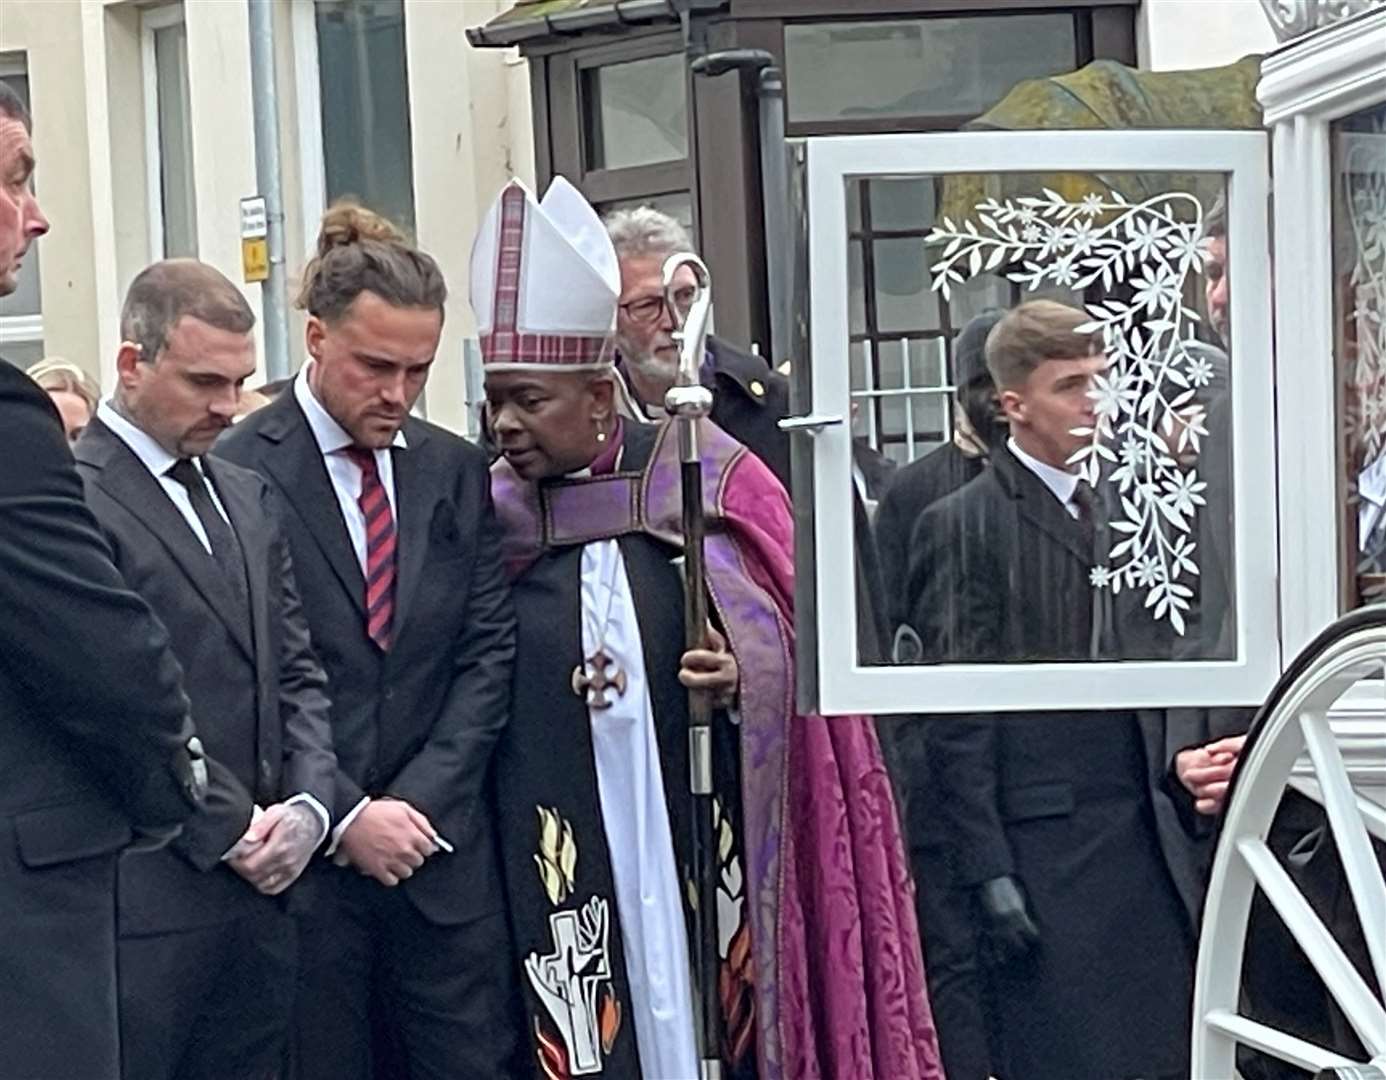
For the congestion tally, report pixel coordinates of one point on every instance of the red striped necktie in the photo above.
(380, 548)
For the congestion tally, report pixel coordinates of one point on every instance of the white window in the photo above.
(21, 313)
(352, 92)
(168, 134)
(1172, 560)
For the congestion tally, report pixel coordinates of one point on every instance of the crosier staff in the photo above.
(689, 401)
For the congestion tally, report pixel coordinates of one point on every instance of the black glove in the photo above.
(1008, 931)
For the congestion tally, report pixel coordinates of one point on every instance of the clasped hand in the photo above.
(1207, 770)
(388, 840)
(713, 669)
(276, 847)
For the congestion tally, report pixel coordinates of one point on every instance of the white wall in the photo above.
(1178, 34)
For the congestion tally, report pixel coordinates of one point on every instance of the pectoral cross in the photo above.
(593, 687)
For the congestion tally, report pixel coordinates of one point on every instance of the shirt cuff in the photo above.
(345, 823)
(324, 819)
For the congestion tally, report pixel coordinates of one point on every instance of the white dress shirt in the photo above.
(1062, 484)
(333, 441)
(1371, 500)
(158, 461)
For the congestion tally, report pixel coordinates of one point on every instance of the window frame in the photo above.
(151, 20)
(568, 73)
(847, 686)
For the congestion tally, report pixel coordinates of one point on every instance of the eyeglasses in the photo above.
(650, 309)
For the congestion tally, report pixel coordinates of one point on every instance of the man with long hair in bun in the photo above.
(405, 965)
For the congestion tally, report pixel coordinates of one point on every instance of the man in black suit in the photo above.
(406, 965)
(206, 951)
(960, 1010)
(1061, 824)
(90, 757)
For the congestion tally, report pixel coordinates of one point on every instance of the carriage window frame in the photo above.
(844, 684)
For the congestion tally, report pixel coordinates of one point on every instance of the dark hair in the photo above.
(12, 106)
(167, 291)
(360, 251)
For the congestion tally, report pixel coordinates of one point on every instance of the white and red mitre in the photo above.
(544, 282)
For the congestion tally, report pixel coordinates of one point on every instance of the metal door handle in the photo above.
(813, 423)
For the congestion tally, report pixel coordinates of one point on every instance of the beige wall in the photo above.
(470, 134)
(49, 33)
(1180, 34)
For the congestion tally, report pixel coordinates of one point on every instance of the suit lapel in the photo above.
(1037, 504)
(414, 507)
(247, 521)
(126, 480)
(302, 476)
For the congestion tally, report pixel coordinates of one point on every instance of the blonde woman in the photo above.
(71, 389)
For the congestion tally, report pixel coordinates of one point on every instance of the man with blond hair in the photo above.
(1061, 826)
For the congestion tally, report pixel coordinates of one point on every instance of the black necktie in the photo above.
(1092, 515)
(226, 549)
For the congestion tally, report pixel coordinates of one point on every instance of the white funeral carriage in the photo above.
(1300, 379)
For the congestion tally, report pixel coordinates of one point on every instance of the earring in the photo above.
(601, 436)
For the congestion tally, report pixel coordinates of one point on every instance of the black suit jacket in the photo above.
(257, 690)
(94, 726)
(912, 490)
(999, 572)
(418, 722)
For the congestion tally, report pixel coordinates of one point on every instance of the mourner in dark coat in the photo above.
(206, 943)
(405, 968)
(89, 757)
(1061, 824)
(945, 913)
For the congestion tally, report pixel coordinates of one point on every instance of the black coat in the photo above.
(912, 489)
(1073, 804)
(94, 726)
(420, 721)
(257, 690)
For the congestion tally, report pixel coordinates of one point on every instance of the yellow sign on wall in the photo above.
(255, 259)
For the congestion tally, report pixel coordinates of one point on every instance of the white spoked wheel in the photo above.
(1295, 721)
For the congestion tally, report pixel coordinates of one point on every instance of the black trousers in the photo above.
(212, 1003)
(951, 963)
(384, 994)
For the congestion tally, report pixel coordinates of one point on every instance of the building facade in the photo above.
(144, 129)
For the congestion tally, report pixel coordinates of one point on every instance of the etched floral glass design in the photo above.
(1143, 258)
(1359, 302)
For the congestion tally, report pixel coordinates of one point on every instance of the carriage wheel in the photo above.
(1292, 722)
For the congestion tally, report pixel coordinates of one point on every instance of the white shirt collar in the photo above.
(1371, 482)
(1062, 484)
(330, 435)
(156, 459)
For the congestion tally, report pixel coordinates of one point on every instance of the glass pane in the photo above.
(900, 204)
(25, 299)
(366, 144)
(177, 188)
(678, 206)
(1087, 445)
(903, 299)
(946, 67)
(1359, 280)
(637, 113)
